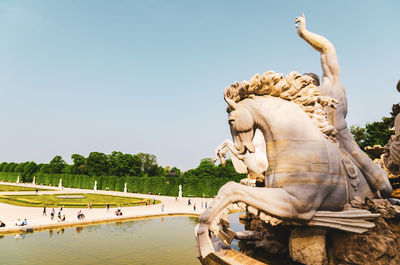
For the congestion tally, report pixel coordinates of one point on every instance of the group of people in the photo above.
(203, 205)
(118, 212)
(60, 216)
(147, 202)
(21, 223)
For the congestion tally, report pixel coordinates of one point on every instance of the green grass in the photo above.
(50, 200)
(18, 188)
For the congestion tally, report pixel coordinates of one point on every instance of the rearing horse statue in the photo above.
(309, 179)
(314, 167)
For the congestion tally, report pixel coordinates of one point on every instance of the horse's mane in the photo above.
(293, 87)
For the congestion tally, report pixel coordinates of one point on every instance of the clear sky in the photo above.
(149, 76)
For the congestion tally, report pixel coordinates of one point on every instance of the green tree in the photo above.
(20, 167)
(10, 167)
(97, 164)
(375, 133)
(45, 168)
(79, 164)
(57, 165)
(29, 169)
(3, 166)
(136, 168)
(149, 163)
(124, 164)
(176, 171)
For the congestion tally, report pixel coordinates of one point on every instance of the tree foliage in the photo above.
(149, 164)
(57, 165)
(375, 133)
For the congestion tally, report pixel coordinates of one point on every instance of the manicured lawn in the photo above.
(51, 200)
(17, 188)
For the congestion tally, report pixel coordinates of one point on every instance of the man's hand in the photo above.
(300, 28)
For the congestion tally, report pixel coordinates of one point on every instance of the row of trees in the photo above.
(120, 165)
(96, 164)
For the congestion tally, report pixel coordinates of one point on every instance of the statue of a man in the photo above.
(331, 86)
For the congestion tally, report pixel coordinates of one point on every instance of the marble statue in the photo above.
(332, 86)
(125, 188)
(95, 185)
(17, 182)
(254, 164)
(315, 169)
(180, 191)
(34, 180)
(60, 183)
(391, 151)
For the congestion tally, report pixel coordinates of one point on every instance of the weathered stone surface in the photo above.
(307, 245)
(378, 246)
(249, 235)
(383, 207)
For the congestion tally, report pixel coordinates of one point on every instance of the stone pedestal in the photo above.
(307, 246)
(379, 246)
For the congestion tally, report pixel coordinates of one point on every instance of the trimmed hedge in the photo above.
(10, 176)
(195, 186)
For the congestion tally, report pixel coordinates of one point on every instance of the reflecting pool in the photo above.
(167, 240)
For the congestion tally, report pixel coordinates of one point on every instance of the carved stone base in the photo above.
(291, 244)
(307, 246)
(380, 245)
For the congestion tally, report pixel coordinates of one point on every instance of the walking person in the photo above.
(162, 207)
(44, 211)
(53, 212)
(194, 207)
(108, 206)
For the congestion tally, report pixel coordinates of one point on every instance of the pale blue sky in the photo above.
(149, 76)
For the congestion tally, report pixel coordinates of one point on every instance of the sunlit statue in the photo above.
(391, 155)
(331, 86)
(314, 167)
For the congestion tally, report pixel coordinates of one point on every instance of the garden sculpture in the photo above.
(391, 154)
(315, 168)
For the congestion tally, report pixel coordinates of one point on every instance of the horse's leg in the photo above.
(273, 201)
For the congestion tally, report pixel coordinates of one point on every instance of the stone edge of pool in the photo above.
(38, 228)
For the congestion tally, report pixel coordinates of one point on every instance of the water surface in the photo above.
(167, 240)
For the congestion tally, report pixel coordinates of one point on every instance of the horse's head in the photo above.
(242, 125)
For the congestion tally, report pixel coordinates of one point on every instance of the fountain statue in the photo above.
(95, 185)
(125, 188)
(391, 151)
(60, 184)
(290, 135)
(388, 156)
(180, 191)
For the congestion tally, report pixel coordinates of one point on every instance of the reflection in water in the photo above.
(168, 240)
(78, 229)
(19, 236)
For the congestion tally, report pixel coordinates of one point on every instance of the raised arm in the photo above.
(329, 61)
